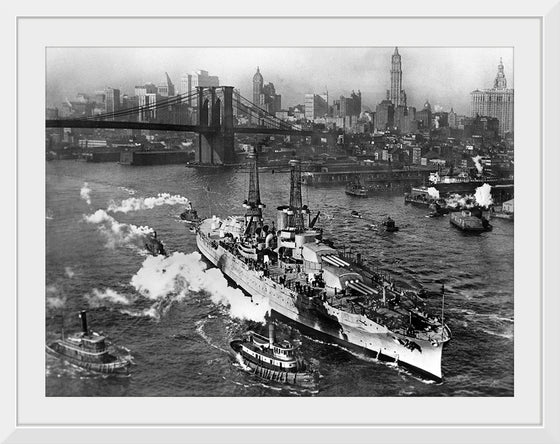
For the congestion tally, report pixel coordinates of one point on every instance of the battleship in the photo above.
(325, 292)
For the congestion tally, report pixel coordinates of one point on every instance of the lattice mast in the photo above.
(295, 197)
(253, 204)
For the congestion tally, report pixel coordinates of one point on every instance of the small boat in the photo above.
(189, 215)
(89, 350)
(472, 220)
(389, 225)
(356, 188)
(272, 360)
(355, 214)
(154, 245)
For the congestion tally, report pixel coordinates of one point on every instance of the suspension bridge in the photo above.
(213, 119)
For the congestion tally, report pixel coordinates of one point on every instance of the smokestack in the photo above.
(83, 317)
(271, 333)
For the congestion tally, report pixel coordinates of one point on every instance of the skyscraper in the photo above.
(166, 88)
(264, 96)
(112, 100)
(397, 95)
(495, 102)
(258, 82)
(315, 105)
(197, 78)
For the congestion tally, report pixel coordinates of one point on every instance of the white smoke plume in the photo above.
(179, 274)
(150, 312)
(459, 201)
(69, 272)
(118, 233)
(54, 297)
(483, 196)
(147, 203)
(433, 192)
(99, 298)
(85, 193)
(477, 164)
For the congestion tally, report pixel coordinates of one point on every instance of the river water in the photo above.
(176, 318)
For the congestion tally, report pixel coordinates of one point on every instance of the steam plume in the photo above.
(458, 201)
(54, 297)
(180, 274)
(118, 233)
(135, 204)
(477, 164)
(85, 193)
(99, 298)
(433, 192)
(483, 196)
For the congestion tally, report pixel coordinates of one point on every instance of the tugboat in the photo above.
(154, 245)
(356, 188)
(272, 360)
(88, 349)
(472, 220)
(389, 225)
(189, 215)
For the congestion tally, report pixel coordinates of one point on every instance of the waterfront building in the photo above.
(495, 102)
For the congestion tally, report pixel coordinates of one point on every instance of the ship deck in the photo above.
(393, 314)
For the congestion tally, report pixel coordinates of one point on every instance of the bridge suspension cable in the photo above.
(144, 108)
(261, 114)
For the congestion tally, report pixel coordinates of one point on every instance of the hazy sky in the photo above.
(444, 76)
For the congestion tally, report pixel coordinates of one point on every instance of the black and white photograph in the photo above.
(279, 222)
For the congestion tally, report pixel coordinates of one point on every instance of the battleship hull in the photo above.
(320, 319)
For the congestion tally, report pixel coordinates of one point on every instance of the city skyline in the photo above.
(444, 76)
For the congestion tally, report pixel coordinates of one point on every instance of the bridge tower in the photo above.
(215, 118)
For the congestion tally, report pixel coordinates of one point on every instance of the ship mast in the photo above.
(296, 219)
(253, 204)
(442, 305)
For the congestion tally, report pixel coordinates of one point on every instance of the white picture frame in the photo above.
(528, 417)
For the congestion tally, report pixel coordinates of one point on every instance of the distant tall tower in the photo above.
(495, 102)
(500, 81)
(397, 95)
(258, 83)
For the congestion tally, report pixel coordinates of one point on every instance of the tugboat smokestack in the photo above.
(83, 317)
(271, 333)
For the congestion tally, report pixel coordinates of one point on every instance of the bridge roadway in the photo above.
(113, 124)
